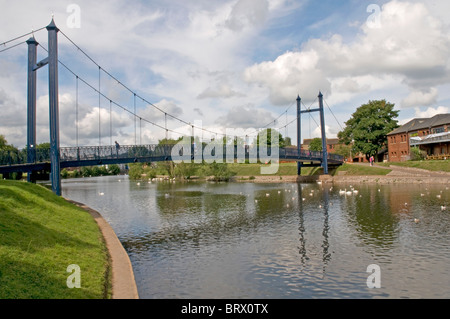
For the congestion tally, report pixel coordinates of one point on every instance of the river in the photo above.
(279, 241)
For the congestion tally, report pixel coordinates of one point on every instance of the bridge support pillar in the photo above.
(324, 138)
(55, 172)
(31, 105)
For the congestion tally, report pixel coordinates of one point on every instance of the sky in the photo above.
(236, 64)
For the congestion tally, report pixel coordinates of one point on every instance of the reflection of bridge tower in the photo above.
(322, 126)
(326, 255)
(52, 61)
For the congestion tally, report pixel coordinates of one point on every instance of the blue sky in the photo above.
(230, 64)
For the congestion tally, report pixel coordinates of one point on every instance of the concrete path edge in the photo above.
(123, 280)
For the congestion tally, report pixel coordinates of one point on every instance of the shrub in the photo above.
(64, 173)
(417, 154)
(135, 171)
(114, 169)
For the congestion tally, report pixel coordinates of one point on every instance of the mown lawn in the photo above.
(40, 236)
(290, 169)
(285, 169)
(435, 166)
(361, 170)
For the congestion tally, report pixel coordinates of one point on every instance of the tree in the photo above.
(268, 133)
(343, 150)
(368, 127)
(3, 142)
(316, 145)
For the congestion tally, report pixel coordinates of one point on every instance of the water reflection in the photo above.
(220, 240)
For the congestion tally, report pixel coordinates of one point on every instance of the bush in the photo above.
(114, 169)
(86, 172)
(76, 173)
(417, 154)
(64, 173)
(135, 172)
(220, 172)
(185, 170)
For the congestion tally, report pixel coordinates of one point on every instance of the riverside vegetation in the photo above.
(225, 172)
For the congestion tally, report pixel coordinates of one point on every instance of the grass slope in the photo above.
(40, 236)
(435, 166)
(291, 169)
(361, 170)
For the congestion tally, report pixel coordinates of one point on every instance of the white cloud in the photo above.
(430, 112)
(419, 98)
(329, 132)
(244, 117)
(410, 43)
(290, 74)
(247, 13)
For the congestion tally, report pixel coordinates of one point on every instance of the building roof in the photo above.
(423, 123)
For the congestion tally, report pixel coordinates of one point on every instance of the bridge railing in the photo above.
(304, 154)
(16, 157)
(86, 153)
(113, 152)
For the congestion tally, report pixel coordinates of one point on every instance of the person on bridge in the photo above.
(117, 148)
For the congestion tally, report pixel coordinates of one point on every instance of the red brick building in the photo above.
(431, 135)
(331, 144)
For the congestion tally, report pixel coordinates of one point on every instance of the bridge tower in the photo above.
(52, 61)
(322, 126)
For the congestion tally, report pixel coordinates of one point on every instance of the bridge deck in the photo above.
(11, 161)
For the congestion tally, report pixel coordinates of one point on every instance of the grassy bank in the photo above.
(40, 236)
(290, 169)
(360, 170)
(434, 166)
(285, 169)
(243, 171)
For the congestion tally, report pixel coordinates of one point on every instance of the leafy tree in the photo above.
(43, 146)
(169, 141)
(368, 127)
(3, 142)
(269, 132)
(343, 150)
(316, 145)
(4, 146)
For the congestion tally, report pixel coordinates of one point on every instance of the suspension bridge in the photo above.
(55, 158)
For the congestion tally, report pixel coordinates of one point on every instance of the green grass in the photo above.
(360, 170)
(435, 166)
(285, 169)
(40, 236)
(290, 169)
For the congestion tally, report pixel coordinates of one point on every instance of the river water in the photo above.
(280, 241)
